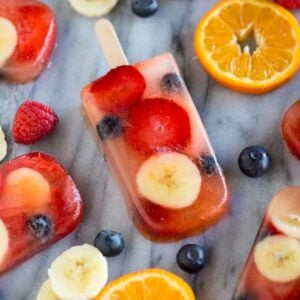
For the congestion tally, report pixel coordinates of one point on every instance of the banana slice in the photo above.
(277, 258)
(4, 240)
(46, 292)
(284, 211)
(3, 145)
(8, 40)
(93, 8)
(79, 273)
(170, 179)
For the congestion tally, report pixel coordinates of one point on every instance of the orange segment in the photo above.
(224, 47)
(148, 284)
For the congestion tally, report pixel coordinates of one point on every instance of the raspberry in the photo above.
(289, 3)
(33, 121)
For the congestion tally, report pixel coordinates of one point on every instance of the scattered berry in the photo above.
(157, 124)
(109, 127)
(289, 3)
(254, 161)
(110, 243)
(191, 258)
(208, 163)
(171, 83)
(40, 226)
(144, 8)
(119, 89)
(33, 121)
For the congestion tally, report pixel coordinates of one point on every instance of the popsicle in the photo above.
(155, 143)
(272, 270)
(27, 39)
(39, 205)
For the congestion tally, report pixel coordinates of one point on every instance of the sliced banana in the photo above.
(93, 8)
(4, 238)
(277, 258)
(3, 144)
(170, 179)
(79, 273)
(46, 292)
(8, 40)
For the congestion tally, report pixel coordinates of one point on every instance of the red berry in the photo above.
(157, 124)
(289, 3)
(118, 89)
(291, 128)
(33, 121)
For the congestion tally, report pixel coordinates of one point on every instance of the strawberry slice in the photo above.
(156, 124)
(36, 28)
(291, 129)
(118, 90)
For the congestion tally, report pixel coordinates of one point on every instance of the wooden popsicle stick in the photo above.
(110, 44)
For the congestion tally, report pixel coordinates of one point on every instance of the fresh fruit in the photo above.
(223, 45)
(46, 292)
(4, 240)
(78, 273)
(208, 164)
(144, 8)
(277, 258)
(290, 4)
(40, 226)
(93, 8)
(254, 161)
(191, 258)
(171, 83)
(284, 211)
(157, 124)
(8, 40)
(109, 127)
(3, 145)
(109, 243)
(33, 121)
(147, 284)
(290, 129)
(171, 180)
(118, 90)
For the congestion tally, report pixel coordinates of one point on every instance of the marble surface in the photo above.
(233, 121)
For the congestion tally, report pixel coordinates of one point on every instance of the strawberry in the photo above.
(156, 124)
(33, 121)
(289, 3)
(118, 90)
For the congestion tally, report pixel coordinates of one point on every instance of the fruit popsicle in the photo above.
(27, 39)
(39, 205)
(157, 146)
(272, 270)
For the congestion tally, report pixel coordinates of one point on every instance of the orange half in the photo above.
(222, 41)
(148, 284)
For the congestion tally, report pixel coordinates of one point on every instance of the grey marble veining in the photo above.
(233, 121)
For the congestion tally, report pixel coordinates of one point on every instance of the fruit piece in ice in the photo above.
(277, 258)
(46, 292)
(290, 129)
(109, 127)
(3, 145)
(171, 180)
(144, 8)
(4, 240)
(157, 124)
(78, 273)
(40, 226)
(116, 91)
(284, 211)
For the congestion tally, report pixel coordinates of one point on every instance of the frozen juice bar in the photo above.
(157, 147)
(272, 270)
(39, 205)
(27, 39)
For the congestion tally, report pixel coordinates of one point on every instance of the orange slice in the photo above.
(150, 284)
(223, 41)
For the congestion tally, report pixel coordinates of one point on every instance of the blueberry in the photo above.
(110, 243)
(144, 8)
(40, 226)
(208, 163)
(109, 127)
(254, 161)
(171, 83)
(191, 258)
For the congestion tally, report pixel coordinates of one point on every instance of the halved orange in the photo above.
(149, 284)
(221, 44)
